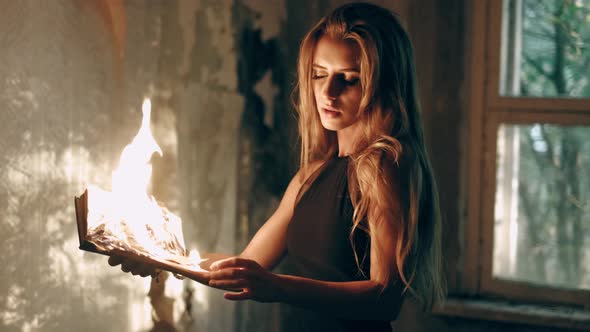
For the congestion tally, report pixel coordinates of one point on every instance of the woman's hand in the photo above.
(134, 267)
(246, 279)
(137, 268)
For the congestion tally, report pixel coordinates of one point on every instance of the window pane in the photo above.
(545, 48)
(542, 210)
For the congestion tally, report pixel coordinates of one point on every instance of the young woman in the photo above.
(360, 220)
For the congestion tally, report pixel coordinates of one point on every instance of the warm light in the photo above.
(128, 218)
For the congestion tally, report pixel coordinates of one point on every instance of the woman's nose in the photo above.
(331, 88)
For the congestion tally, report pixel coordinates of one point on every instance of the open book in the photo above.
(94, 240)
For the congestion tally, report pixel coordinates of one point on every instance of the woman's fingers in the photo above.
(233, 279)
(142, 270)
(128, 266)
(236, 274)
(246, 294)
(234, 262)
(115, 260)
(232, 273)
(202, 277)
(144, 274)
(234, 284)
(134, 267)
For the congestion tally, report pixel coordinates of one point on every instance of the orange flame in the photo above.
(128, 218)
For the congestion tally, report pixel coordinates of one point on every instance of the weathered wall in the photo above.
(72, 78)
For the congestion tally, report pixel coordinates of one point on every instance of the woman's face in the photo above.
(336, 82)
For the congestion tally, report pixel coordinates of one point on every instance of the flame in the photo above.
(128, 218)
(135, 171)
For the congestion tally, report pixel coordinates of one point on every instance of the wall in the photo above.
(72, 79)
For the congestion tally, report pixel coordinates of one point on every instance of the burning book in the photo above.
(127, 222)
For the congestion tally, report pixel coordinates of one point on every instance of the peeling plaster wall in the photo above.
(198, 70)
(72, 79)
(213, 91)
(207, 85)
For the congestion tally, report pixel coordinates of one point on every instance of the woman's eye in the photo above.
(341, 78)
(351, 81)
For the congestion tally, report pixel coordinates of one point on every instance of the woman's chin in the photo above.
(336, 124)
(329, 125)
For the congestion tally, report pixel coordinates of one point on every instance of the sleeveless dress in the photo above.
(318, 247)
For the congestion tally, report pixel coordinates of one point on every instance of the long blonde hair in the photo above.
(391, 148)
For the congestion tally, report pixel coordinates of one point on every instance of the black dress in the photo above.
(318, 247)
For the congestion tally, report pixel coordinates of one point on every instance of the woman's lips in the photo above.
(329, 112)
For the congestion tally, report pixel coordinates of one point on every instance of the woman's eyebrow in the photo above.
(353, 69)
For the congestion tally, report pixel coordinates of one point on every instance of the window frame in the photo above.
(486, 111)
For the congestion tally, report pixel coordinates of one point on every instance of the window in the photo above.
(528, 229)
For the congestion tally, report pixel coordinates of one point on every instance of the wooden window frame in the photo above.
(486, 110)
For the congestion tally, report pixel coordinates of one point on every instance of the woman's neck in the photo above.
(347, 137)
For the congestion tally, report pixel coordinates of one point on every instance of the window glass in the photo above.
(545, 48)
(542, 209)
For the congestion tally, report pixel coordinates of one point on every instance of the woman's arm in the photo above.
(374, 299)
(363, 300)
(269, 244)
